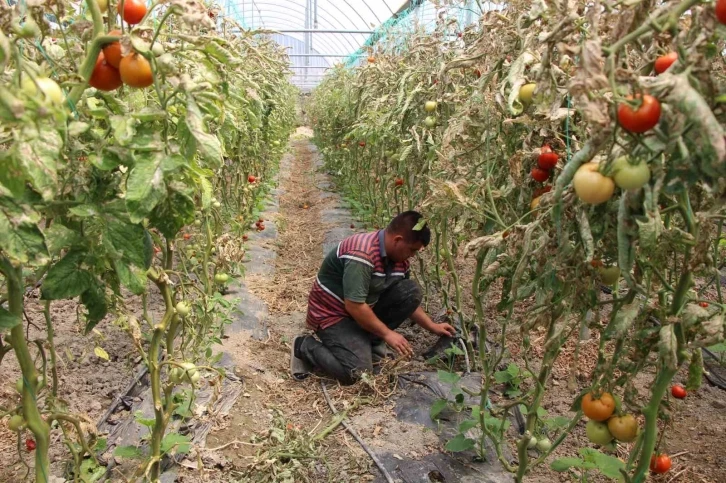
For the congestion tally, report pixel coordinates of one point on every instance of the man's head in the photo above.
(402, 241)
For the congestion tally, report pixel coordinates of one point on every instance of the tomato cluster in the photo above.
(113, 69)
(605, 425)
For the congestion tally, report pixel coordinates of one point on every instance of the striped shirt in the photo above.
(359, 270)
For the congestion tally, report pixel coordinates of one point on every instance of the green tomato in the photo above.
(197, 222)
(157, 49)
(544, 445)
(221, 278)
(48, 87)
(629, 176)
(430, 106)
(28, 30)
(598, 433)
(532, 443)
(193, 261)
(217, 204)
(186, 373)
(609, 275)
(102, 5)
(182, 308)
(430, 122)
(19, 385)
(526, 92)
(276, 143)
(16, 423)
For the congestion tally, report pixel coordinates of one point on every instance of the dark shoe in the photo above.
(299, 368)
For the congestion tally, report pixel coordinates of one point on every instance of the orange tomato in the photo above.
(112, 51)
(136, 71)
(105, 77)
(598, 409)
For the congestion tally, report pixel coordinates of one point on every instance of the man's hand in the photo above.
(398, 343)
(443, 330)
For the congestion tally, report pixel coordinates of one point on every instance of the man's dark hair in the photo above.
(403, 225)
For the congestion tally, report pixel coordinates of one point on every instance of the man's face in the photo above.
(402, 250)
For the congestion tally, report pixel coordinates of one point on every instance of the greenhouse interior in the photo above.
(362, 241)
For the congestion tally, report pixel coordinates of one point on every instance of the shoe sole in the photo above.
(299, 369)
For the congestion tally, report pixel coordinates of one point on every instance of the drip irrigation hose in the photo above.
(357, 437)
(711, 376)
(466, 355)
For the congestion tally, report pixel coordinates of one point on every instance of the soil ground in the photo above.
(280, 430)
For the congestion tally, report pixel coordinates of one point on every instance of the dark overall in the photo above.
(346, 349)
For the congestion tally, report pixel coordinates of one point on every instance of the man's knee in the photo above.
(411, 292)
(354, 373)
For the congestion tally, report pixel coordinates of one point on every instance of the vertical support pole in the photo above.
(306, 36)
(318, 62)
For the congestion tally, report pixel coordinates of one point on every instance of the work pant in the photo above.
(344, 351)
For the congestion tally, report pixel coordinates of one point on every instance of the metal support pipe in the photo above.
(325, 31)
(325, 55)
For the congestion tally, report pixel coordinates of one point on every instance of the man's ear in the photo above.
(398, 238)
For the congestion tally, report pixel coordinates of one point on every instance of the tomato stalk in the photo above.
(31, 413)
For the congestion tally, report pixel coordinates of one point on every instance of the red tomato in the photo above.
(251, 178)
(540, 191)
(135, 71)
(399, 182)
(105, 77)
(641, 119)
(134, 11)
(112, 51)
(362, 144)
(721, 11)
(540, 175)
(30, 444)
(660, 463)
(187, 236)
(678, 391)
(703, 304)
(547, 159)
(478, 73)
(244, 237)
(663, 62)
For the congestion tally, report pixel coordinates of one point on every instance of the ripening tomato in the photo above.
(526, 92)
(430, 106)
(547, 159)
(540, 191)
(624, 428)
(641, 119)
(678, 391)
(105, 77)
(534, 204)
(112, 51)
(102, 5)
(251, 179)
(660, 463)
(591, 186)
(136, 71)
(539, 174)
(371, 60)
(663, 62)
(720, 9)
(399, 181)
(134, 11)
(50, 90)
(186, 236)
(609, 275)
(599, 409)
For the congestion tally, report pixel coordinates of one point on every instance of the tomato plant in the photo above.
(642, 118)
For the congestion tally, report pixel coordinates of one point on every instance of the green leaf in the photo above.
(7, 320)
(76, 128)
(622, 321)
(175, 212)
(179, 442)
(448, 377)
(37, 152)
(66, 279)
(208, 145)
(20, 239)
(130, 277)
(128, 452)
(421, 223)
(173, 163)
(124, 241)
(459, 443)
(467, 424)
(436, 408)
(609, 466)
(94, 299)
(59, 237)
(91, 472)
(139, 418)
(145, 186)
